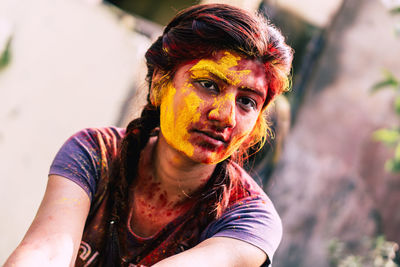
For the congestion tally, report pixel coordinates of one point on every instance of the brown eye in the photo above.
(247, 103)
(209, 85)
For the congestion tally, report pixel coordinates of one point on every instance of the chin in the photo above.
(209, 158)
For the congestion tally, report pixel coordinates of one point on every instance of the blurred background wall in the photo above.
(67, 65)
(71, 65)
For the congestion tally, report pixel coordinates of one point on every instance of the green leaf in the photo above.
(397, 104)
(389, 80)
(5, 55)
(397, 153)
(392, 166)
(389, 137)
(395, 10)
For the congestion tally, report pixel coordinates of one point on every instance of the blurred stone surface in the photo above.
(318, 13)
(250, 5)
(330, 182)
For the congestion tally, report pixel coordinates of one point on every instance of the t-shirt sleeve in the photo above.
(79, 160)
(253, 220)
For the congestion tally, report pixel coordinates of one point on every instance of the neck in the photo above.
(170, 171)
(178, 172)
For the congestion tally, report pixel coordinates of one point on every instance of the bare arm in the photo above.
(54, 236)
(217, 251)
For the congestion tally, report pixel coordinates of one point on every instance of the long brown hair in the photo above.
(194, 33)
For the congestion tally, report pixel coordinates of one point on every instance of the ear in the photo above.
(156, 86)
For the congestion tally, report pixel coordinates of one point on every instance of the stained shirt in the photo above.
(86, 157)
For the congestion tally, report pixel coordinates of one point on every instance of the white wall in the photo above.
(73, 64)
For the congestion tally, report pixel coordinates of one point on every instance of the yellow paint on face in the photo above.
(183, 108)
(221, 69)
(222, 102)
(175, 118)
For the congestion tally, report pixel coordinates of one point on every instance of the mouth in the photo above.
(213, 135)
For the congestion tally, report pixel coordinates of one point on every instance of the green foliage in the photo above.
(388, 81)
(397, 104)
(395, 10)
(5, 55)
(375, 252)
(390, 137)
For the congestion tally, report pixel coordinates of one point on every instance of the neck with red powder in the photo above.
(166, 185)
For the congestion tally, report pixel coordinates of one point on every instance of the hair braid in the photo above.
(123, 174)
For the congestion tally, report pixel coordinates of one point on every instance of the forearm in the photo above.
(217, 251)
(54, 237)
(36, 254)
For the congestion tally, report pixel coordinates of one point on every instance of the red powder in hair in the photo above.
(214, 17)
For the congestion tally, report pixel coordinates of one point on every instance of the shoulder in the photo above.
(96, 140)
(250, 215)
(244, 186)
(86, 156)
(247, 196)
(105, 134)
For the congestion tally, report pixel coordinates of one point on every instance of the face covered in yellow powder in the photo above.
(211, 105)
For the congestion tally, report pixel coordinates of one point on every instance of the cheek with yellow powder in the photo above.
(176, 118)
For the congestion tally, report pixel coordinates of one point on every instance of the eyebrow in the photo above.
(216, 74)
(255, 91)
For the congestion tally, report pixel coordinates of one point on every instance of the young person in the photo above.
(168, 190)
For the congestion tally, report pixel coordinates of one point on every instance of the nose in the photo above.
(223, 111)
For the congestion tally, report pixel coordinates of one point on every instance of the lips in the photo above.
(213, 135)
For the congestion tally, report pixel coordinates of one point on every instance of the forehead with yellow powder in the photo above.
(221, 68)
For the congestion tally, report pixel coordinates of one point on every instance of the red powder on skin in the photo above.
(151, 189)
(163, 200)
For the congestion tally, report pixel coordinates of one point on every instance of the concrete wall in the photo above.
(331, 182)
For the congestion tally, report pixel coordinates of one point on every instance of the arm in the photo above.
(247, 234)
(54, 236)
(217, 251)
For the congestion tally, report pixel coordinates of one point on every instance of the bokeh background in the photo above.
(332, 169)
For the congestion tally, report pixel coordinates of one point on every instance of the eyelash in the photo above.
(203, 82)
(253, 103)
